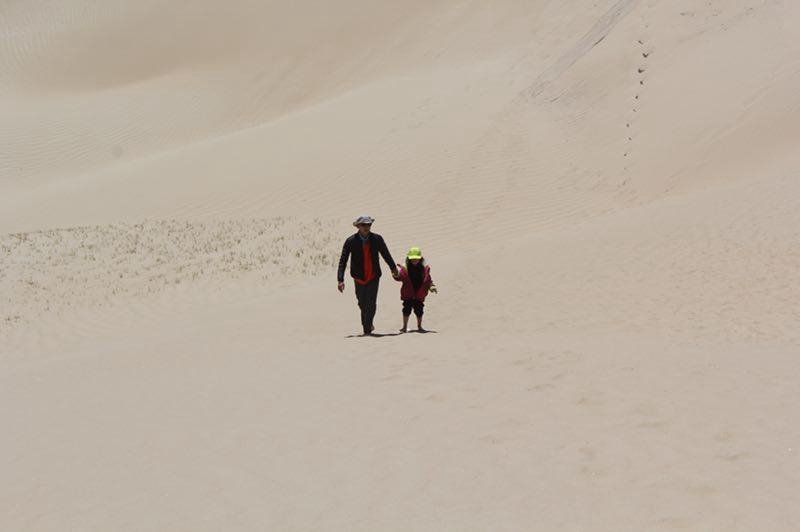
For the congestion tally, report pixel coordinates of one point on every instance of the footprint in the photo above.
(588, 469)
(734, 457)
(591, 399)
(653, 425)
(701, 489)
(436, 398)
(593, 472)
(724, 436)
(588, 453)
(492, 439)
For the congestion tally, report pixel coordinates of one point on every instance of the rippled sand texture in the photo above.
(608, 194)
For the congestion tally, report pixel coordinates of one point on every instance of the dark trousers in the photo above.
(416, 305)
(367, 295)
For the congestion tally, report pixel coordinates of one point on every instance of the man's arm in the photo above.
(343, 261)
(384, 251)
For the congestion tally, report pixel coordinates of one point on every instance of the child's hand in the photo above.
(434, 290)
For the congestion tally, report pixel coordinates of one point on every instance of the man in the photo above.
(365, 269)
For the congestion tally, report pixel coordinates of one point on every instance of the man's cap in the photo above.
(367, 220)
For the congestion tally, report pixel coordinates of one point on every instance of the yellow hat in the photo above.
(414, 253)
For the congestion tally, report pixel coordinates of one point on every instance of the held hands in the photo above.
(341, 286)
(395, 275)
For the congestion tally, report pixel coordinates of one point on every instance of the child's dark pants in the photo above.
(416, 305)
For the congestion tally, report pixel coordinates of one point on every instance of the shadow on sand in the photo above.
(384, 335)
(373, 335)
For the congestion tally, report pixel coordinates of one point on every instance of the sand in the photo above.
(608, 194)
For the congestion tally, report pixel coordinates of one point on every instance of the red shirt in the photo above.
(369, 275)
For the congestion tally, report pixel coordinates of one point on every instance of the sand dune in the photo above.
(608, 195)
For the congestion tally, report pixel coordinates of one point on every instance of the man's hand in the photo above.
(434, 290)
(396, 274)
(341, 286)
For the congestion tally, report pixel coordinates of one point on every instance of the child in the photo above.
(417, 282)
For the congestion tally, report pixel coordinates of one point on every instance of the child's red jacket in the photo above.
(407, 291)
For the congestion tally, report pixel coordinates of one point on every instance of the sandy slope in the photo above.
(607, 192)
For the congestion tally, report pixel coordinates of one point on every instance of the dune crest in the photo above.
(607, 193)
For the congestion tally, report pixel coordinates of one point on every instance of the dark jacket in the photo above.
(353, 247)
